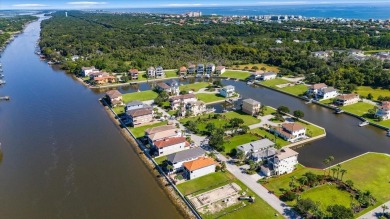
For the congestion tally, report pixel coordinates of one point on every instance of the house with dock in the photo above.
(182, 71)
(220, 70)
(322, 91)
(346, 99)
(104, 80)
(383, 111)
(228, 91)
(290, 131)
(250, 106)
(210, 68)
(151, 72)
(86, 71)
(200, 69)
(177, 159)
(181, 100)
(135, 104)
(268, 76)
(191, 69)
(159, 72)
(114, 97)
(196, 108)
(171, 88)
(133, 74)
(199, 167)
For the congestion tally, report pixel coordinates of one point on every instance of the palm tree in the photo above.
(384, 208)
(303, 180)
(326, 162)
(331, 159)
(349, 183)
(334, 170)
(338, 170)
(343, 171)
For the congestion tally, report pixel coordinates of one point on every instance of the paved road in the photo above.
(262, 192)
(375, 213)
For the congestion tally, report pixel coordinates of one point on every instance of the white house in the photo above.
(196, 108)
(347, 99)
(210, 69)
(136, 104)
(181, 100)
(171, 88)
(327, 93)
(86, 71)
(161, 132)
(284, 161)
(160, 72)
(115, 97)
(384, 110)
(250, 106)
(258, 150)
(220, 70)
(313, 89)
(290, 131)
(170, 145)
(268, 76)
(227, 91)
(199, 167)
(151, 72)
(177, 159)
(200, 69)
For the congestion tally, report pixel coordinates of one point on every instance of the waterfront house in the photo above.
(200, 69)
(196, 108)
(114, 97)
(220, 70)
(290, 131)
(160, 72)
(104, 80)
(284, 161)
(140, 116)
(85, 71)
(135, 104)
(346, 99)
(183, 71)
(98, 74)
(313, 89)
(181, 100)
(258, 150)
(162, 86)
(227, 91)
(161, 132)
(191, 69)
(172, 88)
(256, 75)
(199, 167)
(250, 106)
(327, 93)
(177, 159)
(170, 145)
(384, 110)
(151, 72)
(210, 69)
(268, 76)
(133, 74)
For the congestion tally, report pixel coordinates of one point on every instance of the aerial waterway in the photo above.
(62, 155)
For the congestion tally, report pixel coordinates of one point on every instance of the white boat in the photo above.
(2, 82)
(338, 111)
(388, 133)
(311, 100)
(364, 123)
(249, 82)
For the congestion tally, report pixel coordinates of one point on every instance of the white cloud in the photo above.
(29, 5)
(86, 3)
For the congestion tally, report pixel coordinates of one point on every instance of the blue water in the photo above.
(350, 11)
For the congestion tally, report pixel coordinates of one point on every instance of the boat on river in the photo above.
(338, 111)
(364, 123)
(5, 98)
(2, 82)
(388, 133)
(1, 75)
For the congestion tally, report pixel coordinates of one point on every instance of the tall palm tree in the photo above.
(343, 171)
(384, 208)
(326, 162)
(334, 170)
(331, 159)
(338, 167)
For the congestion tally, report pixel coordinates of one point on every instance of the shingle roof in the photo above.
(199, 163)
(139, 112)
(169, 141)
(329, 89)
(318, 86)
(256, 145)
(251, 101)
(385, 105)
(269, 73)
(133, 71)
(219, 68)
(183, 69)
(348, 96)
(163, 85)
(185, 96)
(186, 155)
(285, 153)
(163, 134)
(134, 103)
(154, 130)
(112, 94)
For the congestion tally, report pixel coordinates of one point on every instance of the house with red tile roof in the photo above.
(171, 145)
(199, 167)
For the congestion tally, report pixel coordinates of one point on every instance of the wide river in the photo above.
(63, 156)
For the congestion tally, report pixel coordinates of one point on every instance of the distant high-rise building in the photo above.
(66, 14)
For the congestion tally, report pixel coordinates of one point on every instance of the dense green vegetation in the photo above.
(118, 42)
(10, 25)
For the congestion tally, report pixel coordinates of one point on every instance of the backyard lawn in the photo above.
(269, 110)
(119, 109)
(205, 183)
(236, 74)
(140, 131)
(312, 130)
(274, 82)
(141, 96)
(248, 119)
(359, 108)
(160, 160)
(238, 140)
(208, 98)
(170, 74)
(296, 89)
(376, 92)
(195, 87)
(259, 66)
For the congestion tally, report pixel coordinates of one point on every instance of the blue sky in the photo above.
(75, 4)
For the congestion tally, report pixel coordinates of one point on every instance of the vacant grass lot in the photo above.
(259, 66)
(248, 119)
(359, 108)
(238, 140)
(259, 210)
(274, 82)
(195, 87)
(141, 96)
(140, 131)
(236, 74)
(296, 89)
(170, 74)
(376, 92)
(208, 98)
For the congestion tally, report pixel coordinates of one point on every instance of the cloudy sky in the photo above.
(64, 4)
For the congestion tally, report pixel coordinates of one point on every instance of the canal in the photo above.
(63, 156)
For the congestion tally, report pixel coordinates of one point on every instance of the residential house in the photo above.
(258, 150)
(191, 69)
(171, 145)
(256, 75)
(290, 131)
(210, 69)
(346, 99)
(162, 86)
(284, 161)
(151, 72)
(200, 69)
(177, 159)
(199, 167)
(133, 74)
(98, 74)
(196, 108)
(85, 71)
(183, 71)
(160, 72)
(171, 88)
(268, 76)
(321, 54)
(161, 132)
(135, 104)
(250, 106)
(327, 93)
(384, 110)
(115, 97)
(181, 100)
(105, 80)
(140, 116)
(220, 70)
(227, 91)
(315, 88)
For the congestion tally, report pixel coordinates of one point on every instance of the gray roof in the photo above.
(265, 153)
(329, 89)
(256, 145)
(251, 101)
(134, 103)
(269, 73)
(186, 155)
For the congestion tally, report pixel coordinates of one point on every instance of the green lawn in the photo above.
(375, 51)
(269, 110)
(236, 74)
(119, 109)
(142, 77)
(238, 140)
(208, 98)
(328, 195)
(172, 112)
(171, 74)
(281, 183)
(265, 134)
(359, 108)
(141, 96)
(140, 131)
(312, 130)
(160, 160)
(274, 82)
(376, 92)
(296, 89)
(248, 119)
(259, 209)
(195, 87)
(259, 66)
(385, 123)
